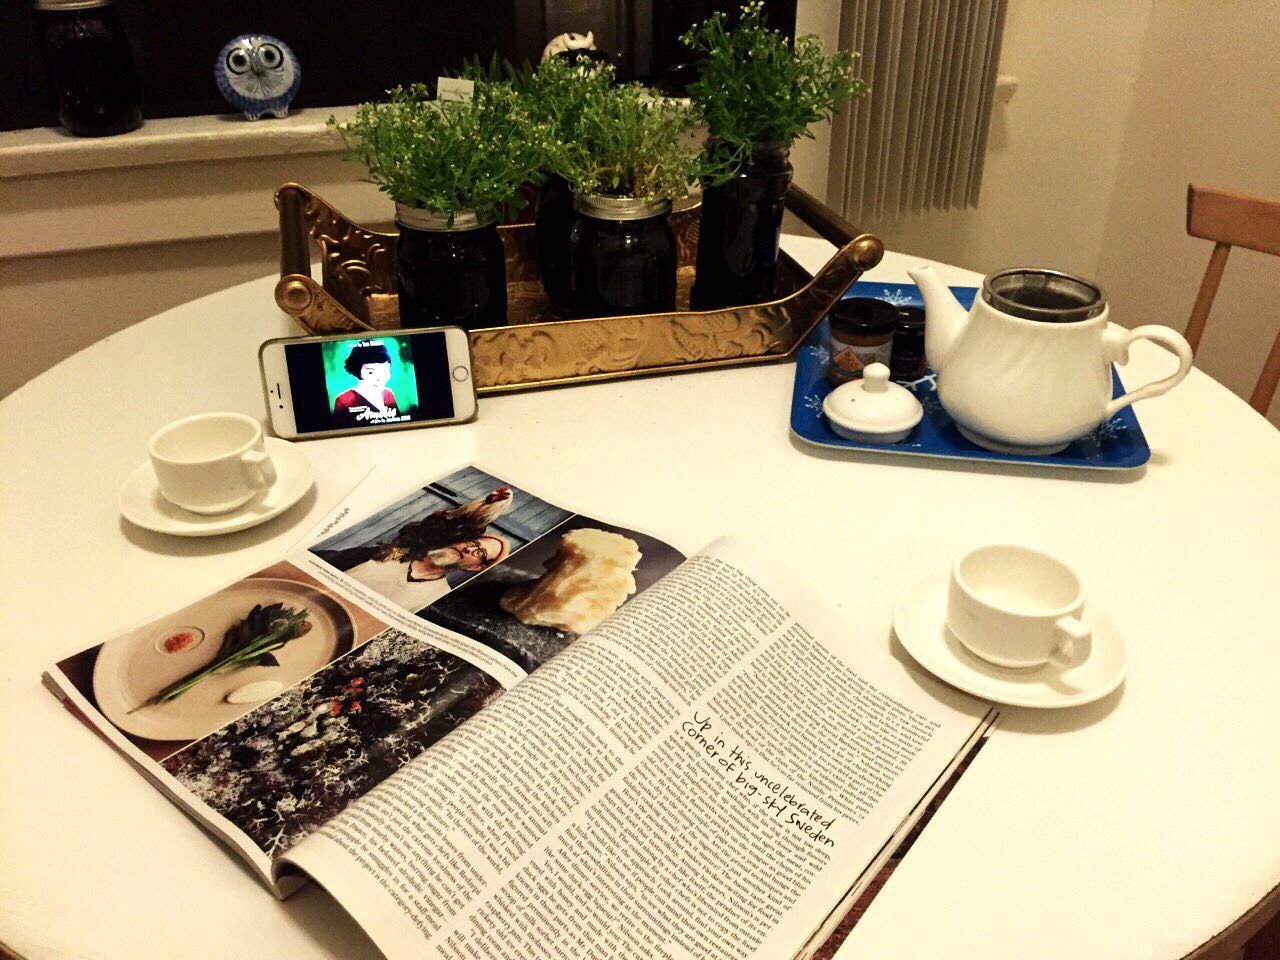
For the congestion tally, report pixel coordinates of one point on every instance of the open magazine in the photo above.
(490, 726)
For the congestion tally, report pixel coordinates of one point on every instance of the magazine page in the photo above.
(513, 577)
(705, 775)
(266, 707)
(827, 940)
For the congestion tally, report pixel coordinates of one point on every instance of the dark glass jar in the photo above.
(554, 221)
(450, 274)
(624, 256)
(739, 231)
(907, 359)
(86, 53)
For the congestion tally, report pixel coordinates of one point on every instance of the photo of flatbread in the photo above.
(545, 596)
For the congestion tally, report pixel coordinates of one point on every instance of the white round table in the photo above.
(1138, 827)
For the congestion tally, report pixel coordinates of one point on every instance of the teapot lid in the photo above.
(1049, 296)
(873, 404)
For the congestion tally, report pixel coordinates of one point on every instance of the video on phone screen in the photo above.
(369, 382)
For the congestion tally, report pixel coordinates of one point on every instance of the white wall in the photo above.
(1206, 109)
(810, 158)
(1120, 103)
(99, 242)
(1054, 148)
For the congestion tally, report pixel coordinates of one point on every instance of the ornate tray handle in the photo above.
(359, 293)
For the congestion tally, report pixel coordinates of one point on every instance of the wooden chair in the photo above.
(1233, 219)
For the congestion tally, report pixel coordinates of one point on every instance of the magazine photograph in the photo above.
(419, 548)
(179, 678)
(554, 590)
(287, 767)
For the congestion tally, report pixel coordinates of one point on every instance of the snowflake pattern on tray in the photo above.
(281, 771)
(901, 296)
(1108, 432)
(820, 353)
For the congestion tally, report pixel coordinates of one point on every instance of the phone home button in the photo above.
(461, 373)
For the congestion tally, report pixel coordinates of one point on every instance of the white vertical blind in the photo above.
(917, 141)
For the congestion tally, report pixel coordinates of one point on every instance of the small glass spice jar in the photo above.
(907, 361)
(861, 334)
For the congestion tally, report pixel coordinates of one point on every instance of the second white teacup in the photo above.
(212, 462)
(1017, 606)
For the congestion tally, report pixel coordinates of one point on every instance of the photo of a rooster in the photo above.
(418, 540)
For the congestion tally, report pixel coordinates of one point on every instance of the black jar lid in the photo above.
(911, 319)
(864, 317)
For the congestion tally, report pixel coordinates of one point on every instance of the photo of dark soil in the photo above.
(283, 770)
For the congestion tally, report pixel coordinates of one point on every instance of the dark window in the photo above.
(350, 51)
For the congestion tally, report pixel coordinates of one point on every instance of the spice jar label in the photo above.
(848, 362)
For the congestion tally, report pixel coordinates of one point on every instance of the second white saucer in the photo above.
(144, 505)
(920, 621)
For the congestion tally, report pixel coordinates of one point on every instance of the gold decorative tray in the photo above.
(539, 349)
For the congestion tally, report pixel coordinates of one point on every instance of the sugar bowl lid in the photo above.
(873, 404)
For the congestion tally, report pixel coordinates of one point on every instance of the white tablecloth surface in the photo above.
(1137, 827)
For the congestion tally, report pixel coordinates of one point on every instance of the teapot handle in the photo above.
(1117, 345)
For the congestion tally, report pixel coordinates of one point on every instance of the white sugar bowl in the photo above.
(872, 410)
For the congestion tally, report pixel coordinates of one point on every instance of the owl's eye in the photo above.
(238, 61)
(270, 55)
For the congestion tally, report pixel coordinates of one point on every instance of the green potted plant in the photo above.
(450, 167)
(558, 93)
(757, 91)
(631, 154)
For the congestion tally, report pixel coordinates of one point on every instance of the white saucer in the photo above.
(143, 505)
(920, 621)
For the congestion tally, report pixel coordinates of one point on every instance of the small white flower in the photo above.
(813, 402)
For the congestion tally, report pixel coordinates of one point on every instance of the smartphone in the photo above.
(365, 382)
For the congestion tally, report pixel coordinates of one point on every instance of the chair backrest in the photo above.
(1233, 219)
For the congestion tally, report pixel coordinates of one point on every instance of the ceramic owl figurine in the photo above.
(258, 74)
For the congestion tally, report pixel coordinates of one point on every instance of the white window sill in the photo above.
(51, 150)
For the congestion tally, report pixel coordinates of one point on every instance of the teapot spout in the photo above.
(944, 316)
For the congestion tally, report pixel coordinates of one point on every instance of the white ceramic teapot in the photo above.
(1028, 368)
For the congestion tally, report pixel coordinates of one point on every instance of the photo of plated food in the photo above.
(183, 676)
(266, 630)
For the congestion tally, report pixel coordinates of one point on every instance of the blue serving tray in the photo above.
(1118, 444)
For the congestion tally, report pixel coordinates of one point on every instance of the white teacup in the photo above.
(1018, 607)
(212, 462)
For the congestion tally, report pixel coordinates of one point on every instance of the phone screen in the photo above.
(369, 382)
